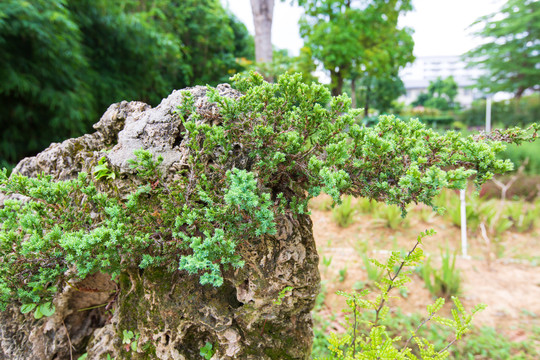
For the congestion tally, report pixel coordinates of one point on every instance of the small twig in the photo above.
(354, 327)
(93, 307)
(383, 300)
(447, 346)
(69, 341)
(418, 328)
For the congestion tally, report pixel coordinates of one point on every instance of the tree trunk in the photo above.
(353, 92)
(337, 82)
(263, 12)
(366, 106)
(170, 314)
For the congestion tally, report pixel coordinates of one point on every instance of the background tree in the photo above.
(377, 92)
(441, 94)
(64, 62)
(511, 53)
(282, 62)
(349, 38)
(263, 13)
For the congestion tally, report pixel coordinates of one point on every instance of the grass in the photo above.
(343, 214)
(389, 216)
(445, 281)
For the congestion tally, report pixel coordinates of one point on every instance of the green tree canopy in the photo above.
(511, 53)
(441, 94)
(65, 61)
(353, 39)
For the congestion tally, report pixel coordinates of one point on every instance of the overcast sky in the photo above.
(440, 25)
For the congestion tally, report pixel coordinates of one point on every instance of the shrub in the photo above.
(298, 142)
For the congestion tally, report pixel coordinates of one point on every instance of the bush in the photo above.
(506, 113)
(526, 151)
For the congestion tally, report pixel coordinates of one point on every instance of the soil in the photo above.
(508, 284)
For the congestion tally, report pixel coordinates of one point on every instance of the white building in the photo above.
(416, 77)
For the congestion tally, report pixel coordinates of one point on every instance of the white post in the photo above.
(488, 114)
(463, 224)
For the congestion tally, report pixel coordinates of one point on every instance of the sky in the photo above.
(440, 25)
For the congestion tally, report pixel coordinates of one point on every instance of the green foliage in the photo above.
(484, 343)
(444, 282)
(342, 274)
(511, 55)
(377, 92)
(390, 216)
(368, 338)
(101, 170)
(504, 113)
(283, 62)
(525, 152)
(64, 62)
(131, 339)
(276, 147)
(343, 214)
(282, 294)
(441, 94)
(353, 41)
(374, 273)
(207, 351)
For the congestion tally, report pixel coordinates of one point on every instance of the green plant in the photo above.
(365, 205)
(207, 351)
(131, 339)
(282, 294)
(46, 309)
(297, 142)
(101, 170)
(368, 338)
(342, 274)
(343, 214)
(374, 273)
(522, 215)
(443, 282)
(390, 216)
(326, 261)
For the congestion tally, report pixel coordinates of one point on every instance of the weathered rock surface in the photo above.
(173, 314)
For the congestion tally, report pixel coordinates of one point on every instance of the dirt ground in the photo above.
(509, 285)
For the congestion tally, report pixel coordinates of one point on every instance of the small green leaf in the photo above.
(38, 314)
(26, 308)
(47, 309)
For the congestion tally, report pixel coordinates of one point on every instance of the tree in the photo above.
(377, 92)
(441, 94)
(511, 54)
(263, 13)
(282, 62)
(352, 39)
(64, 62)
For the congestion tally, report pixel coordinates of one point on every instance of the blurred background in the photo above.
(446, 62)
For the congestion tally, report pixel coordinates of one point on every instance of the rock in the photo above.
(172, 315)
